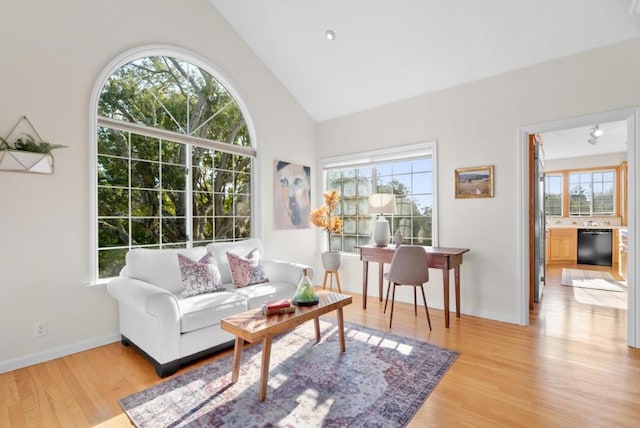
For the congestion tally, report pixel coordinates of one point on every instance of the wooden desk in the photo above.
(437, 258)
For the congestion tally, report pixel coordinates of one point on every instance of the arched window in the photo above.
(174, 161)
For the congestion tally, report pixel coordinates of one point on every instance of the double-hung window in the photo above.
(553, 194)
(592, 193)
(406, 171)
(174, 161)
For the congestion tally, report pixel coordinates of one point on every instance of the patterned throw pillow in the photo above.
(199, 277)
(246, 270)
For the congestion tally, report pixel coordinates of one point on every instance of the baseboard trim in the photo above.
(52, 354)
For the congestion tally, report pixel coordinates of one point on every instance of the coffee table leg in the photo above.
(264, 371)
(237, 359)
(341, 330)
(316, 323)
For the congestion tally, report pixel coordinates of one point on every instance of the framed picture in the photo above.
(475, 182)
(292, 195)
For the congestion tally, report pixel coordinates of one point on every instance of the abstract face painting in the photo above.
(292, 190)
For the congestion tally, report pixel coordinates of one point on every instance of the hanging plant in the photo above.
(29, 144)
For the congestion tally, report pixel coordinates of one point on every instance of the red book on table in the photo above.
(279, 304)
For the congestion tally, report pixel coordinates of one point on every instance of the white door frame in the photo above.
(632, 116)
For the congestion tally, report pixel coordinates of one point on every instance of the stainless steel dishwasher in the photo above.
(595, 247)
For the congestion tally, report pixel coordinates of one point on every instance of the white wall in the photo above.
(51, 56)
(477, 124)
(613, 159)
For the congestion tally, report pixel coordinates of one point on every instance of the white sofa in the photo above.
(172, 330)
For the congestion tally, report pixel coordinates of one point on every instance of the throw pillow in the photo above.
(199, 277)
(246, 270)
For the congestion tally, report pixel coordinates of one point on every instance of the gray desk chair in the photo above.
(408, 267)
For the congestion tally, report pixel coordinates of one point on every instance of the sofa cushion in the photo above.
(208, 309)
(160, 267)
(219, 251)
(199, 277)
(259, 294)
(246, 270)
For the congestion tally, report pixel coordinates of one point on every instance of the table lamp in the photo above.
(382, 203)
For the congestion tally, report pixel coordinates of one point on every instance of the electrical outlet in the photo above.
(40, 328)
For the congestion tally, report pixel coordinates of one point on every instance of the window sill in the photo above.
(98, 284)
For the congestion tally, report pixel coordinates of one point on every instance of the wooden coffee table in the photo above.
(252, 326)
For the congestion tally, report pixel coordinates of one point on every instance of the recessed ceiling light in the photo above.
(330, 34)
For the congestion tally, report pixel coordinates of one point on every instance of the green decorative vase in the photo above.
(305, 293)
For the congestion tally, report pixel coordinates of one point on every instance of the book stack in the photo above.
(279, 307)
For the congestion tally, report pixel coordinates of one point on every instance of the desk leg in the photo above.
(456, 272)
(380, 279)
(445, 288)
(237, 359)
(365, 280)
(264, 370)
(341, 329)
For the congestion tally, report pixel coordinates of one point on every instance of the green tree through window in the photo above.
(592, 193)
(407, 172)
(174, 161)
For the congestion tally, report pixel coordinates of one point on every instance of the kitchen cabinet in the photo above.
(622, 253)
(563, 245)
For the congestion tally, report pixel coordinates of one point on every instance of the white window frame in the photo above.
(397, 153)
(187, 56)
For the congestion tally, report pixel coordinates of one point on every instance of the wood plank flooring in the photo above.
(570, 367)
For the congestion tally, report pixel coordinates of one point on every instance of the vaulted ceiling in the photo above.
(388, 50)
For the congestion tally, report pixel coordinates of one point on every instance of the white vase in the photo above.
(331, 260)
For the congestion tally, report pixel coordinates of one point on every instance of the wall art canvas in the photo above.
(475, 182)
(292, 195)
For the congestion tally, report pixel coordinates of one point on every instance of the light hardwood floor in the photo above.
(570, 367)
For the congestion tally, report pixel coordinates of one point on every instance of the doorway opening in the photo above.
(533, 236)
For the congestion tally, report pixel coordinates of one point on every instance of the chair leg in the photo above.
(415, 302)
(393, 299)
(387, 298)
(424, 298)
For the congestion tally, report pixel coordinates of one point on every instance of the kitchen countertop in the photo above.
(581, 226)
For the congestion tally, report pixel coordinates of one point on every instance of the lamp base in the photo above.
(381, 232)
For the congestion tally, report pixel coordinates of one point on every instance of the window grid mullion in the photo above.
(188, 200)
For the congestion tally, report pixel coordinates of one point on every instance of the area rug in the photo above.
(593, 279)
(381, 380)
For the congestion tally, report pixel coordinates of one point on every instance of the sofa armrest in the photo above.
(282, 271)
(142, 295)
(149, 317)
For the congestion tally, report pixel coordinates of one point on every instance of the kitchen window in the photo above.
(553, 195)
(406, 171)
(592, 193)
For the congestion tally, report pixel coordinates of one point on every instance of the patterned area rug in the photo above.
(381, 380)
(593, 279)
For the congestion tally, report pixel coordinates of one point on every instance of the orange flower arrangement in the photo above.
(321, 217)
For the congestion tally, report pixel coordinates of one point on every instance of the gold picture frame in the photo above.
(474, 182)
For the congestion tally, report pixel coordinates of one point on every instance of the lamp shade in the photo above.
(382, 203)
